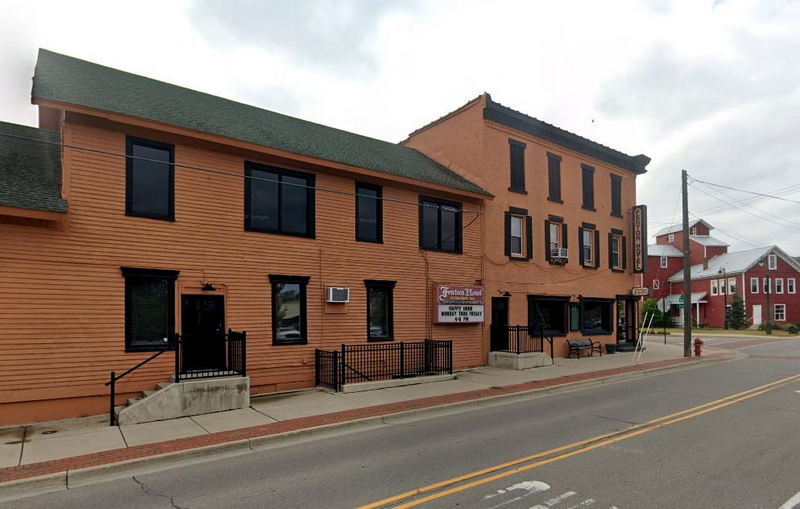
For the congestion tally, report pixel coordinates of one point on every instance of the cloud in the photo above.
(329, 33)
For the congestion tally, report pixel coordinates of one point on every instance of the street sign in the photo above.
(640, 291)
(681, 300)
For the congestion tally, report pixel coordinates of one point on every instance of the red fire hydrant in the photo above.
(698, 347)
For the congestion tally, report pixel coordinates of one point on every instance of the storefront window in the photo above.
(548, 314)
(596, 316)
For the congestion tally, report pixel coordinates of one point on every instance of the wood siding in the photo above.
(62, 304)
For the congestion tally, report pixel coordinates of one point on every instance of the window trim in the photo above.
(757, 286)
(459, 222)
(772, 261)
(310, 178)
(778, 282)
(171, 276)
(388, 286)
(714, 287)
(621, 253)
(766, 284)
(521, 252)
(129, 142)
(379, 211)
(303, 282)
(791, 285)
(594, 237)
(775, 312)
(670, 237)
(664, 262)
(656, 284)
(732, 288)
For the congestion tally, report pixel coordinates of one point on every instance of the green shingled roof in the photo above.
(70, 80)
(30, 171)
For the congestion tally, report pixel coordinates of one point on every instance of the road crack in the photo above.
(156, 494)
(615, 420)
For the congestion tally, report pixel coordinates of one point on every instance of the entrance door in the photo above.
(203, 332)
(756, 314)
(498, 330)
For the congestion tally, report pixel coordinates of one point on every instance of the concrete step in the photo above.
(148, 393)
(163, 385)
(131, 401)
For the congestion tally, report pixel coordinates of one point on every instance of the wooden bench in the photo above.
(576, 346)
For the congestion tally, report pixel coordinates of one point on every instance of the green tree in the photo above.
(650, 306)
(736, 316)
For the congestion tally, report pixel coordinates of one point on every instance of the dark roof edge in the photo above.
(496, 112)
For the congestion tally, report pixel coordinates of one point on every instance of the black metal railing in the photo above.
(382, 361)
(210, 356)
(112, 381)
(521, 339)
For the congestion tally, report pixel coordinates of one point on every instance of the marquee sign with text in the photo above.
(459, 304)
(640, 238)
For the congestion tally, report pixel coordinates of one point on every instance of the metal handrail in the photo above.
(113, 380)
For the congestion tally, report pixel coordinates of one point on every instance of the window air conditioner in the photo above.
(337, 294)
(559, 253)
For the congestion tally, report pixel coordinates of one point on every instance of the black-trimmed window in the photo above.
(439, 225)
(554, 177)
(588, 241)
(517, 151)
(616, 195)
(277, 200)
(548, 314)
(597, 316)
(617, 251)
(380, 312)
(289, 309)
(587, 179)
(150, 179)
(518, 234)
(369, 212)
(149, 308)
(555, 240)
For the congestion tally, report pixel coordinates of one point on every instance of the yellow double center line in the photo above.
(566, 451)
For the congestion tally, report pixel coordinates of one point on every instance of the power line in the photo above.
(745, 191)
(231, 174)
(780, 192)
(777, 219)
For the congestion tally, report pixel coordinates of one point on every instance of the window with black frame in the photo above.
(440, 225)
(149, 308)
(369, 212)
(289, 310)
(596, 316)
(278, 200)
(380, 322)
(548, 314)
(150, 179)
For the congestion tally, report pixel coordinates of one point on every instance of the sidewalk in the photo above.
(58, 447)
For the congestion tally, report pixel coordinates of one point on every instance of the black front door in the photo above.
(203, 332)
(499, 329)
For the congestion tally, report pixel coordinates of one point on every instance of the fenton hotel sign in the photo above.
(459, 304)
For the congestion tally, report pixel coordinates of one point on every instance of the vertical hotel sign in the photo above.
(459, 304)
(640, 238)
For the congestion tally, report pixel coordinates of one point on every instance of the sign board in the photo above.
(640, 238)
(681, 300)
(459, 304)
(640, 291)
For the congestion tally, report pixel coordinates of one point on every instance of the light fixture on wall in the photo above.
(208, 287)
(506, 294)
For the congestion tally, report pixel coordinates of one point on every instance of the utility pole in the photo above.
(687, 270)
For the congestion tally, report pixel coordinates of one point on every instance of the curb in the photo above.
(74, 477)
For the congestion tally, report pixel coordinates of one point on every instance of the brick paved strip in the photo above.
(182, 444)
(735, 345)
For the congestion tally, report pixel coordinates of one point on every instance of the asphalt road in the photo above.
(676, 439)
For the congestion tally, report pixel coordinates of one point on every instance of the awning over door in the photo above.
(673, 300)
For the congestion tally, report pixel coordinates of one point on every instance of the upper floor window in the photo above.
(790, 285)
(616, 195)
(149, 308)
(517, 149)
(278, 200)
(779, 285)
(772, 260)
(587, 178)
(289, 309)
(150, 179)
(722, 287)
(617, 251)
(754, 285)
(556, 240)
(694, 230)
(714, 287)
(439, 225)
(518, 234)
(671, 237)
(767, 286)
(732, 286)
(554, 177)
(369, 212)
(589, 238)
(664, 262)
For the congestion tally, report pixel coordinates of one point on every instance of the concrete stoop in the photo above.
(182, 399)
(527, 360)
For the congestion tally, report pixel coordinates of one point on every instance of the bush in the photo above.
(737, 319)
(793, 329)
(773, 326)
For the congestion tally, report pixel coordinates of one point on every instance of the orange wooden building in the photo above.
(141, 209)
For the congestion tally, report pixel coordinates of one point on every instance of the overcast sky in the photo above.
(709, 86)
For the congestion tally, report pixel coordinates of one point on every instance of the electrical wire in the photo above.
(777, 219)
(746, 191)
